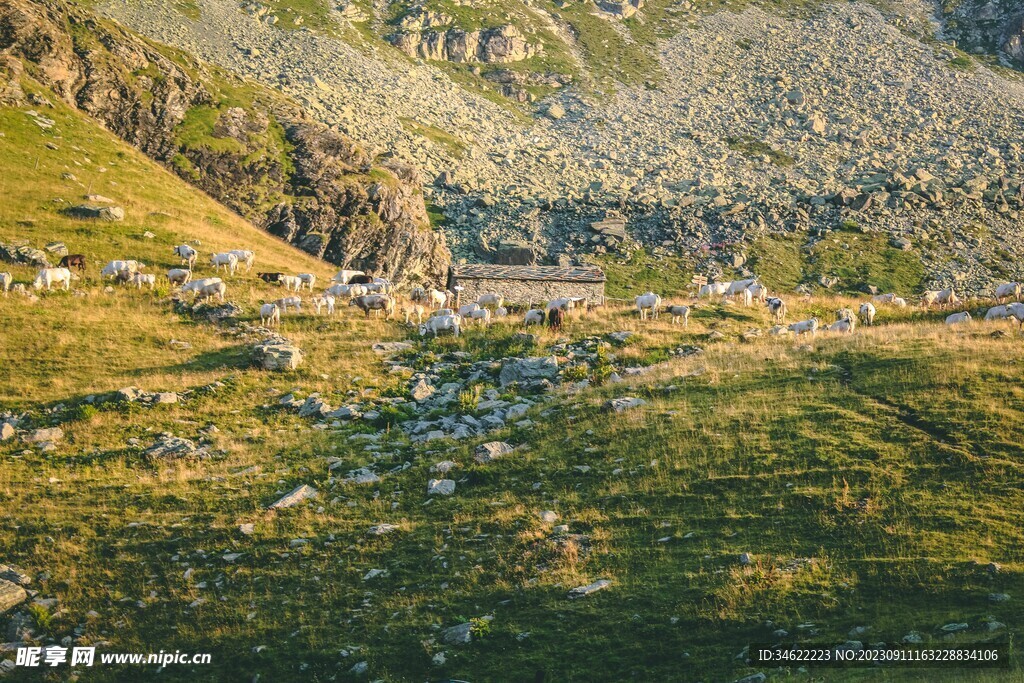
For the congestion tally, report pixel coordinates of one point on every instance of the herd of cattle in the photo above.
(437, 311)
(751, 290)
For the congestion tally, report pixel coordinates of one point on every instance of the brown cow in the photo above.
(73, 261)
(556, 316)
(270, 277)
(361, 280)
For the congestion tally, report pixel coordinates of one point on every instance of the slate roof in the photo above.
(488, 271)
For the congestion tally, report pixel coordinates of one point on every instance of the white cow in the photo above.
(958, 318)
(804, 326)
(737, 286)
(758, 291)
(345, 291)
(899, 302)
(1016, 310)
(307, 279)
(115, 268)
(534, 316)
(290, 282)
(867, 313)
(139, 279)
(196, 286)
(322, 302)
(1008, 290)
(942, 297)
(343, 276)
(565, 303)
(5, 282)
(179, 276)
(217, 289)
(290, 301)
(997, 313)
(187, 255)
(244, 256)
(777, 307)
(481, 314)
(500, 312)
(441, 323)
(442, 312)
(679, 313)
(713, 289)
(491, 300)
(466, 309)
(51, 276)
(226, 259)
(413, 309)
(429, 297)
(648, 302)
(844, 325)
(747, 297)
(884, 298)
(270, 314)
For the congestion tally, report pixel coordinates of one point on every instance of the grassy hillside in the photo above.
(46, 170)
(871, 478)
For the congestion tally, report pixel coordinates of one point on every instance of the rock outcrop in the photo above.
(276, 353)
(985, 26)
(620, 9)
(261, 155)
(490, 46)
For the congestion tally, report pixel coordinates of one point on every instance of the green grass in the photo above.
(778, 259)
(858, 259)
(756, 149)
(452, 144)
(884, 458)
(961, 62)
(188, 9)
(861, 259)
(312, 14)
(642, 272)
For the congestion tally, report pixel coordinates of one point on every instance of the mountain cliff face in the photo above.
(247, 146)
(986, 26)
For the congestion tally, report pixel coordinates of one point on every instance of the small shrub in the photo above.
(469, 398)
(602, 366)
(576, 373)
(83, 412)
(480, 627)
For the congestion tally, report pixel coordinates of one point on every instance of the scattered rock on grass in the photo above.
(589, 589)
(621, 405)
(492, 450)
(460, 634)
(440, 487)
(296, 496)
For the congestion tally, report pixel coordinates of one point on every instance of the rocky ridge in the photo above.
(253, 150)
(762, 125)
(491, 46)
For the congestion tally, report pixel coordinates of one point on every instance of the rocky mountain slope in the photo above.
(743, 124)
(246, 146)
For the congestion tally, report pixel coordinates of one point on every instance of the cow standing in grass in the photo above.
(777, 307)
(76, 261)
(556, 318)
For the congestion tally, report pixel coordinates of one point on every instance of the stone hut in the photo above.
(526, 284)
